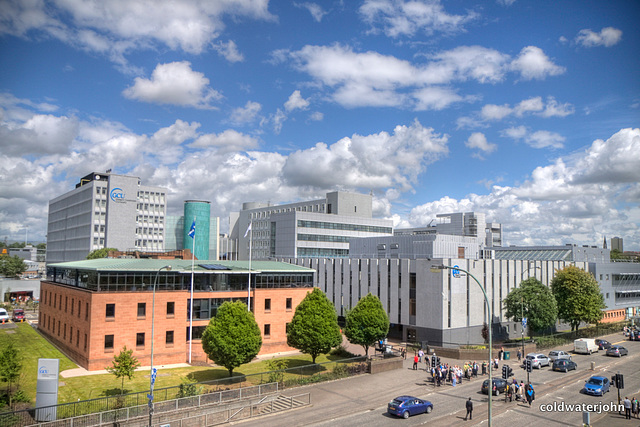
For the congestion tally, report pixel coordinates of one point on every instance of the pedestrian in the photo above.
(420, 354)
(530, 394)
(500, 353)
(469, 406)
(484, 367)
(403, 353)
(627, 408)
(519, 355)
(415, 362)
(635, 407)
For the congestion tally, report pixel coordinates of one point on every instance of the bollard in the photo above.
(593, 366)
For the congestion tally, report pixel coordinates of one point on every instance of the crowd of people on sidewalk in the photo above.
(631, 407)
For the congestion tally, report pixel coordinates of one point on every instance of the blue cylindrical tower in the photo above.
(200, 211)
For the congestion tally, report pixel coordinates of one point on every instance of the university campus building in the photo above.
(91, 309)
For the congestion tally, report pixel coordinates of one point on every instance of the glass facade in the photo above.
(346, 227)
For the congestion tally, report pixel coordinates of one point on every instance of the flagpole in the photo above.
(249, 287)
(193, 260)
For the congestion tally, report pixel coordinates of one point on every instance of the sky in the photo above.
(527, 111)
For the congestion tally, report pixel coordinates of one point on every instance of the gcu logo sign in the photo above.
(43, 370)
(117, 195)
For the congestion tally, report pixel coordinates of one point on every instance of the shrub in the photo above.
(342, 352)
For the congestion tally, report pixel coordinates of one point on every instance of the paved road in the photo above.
(362, 401)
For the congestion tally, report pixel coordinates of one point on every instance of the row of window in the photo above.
(110, 311)
(323, 238)
(140, 340)
(346, 227)
(54, 300)
(308, 208)
(49, 323)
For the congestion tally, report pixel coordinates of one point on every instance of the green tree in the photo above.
(534, 301)
(10, 366)
(314, 328)
(41, 246)
(17, 245)
(367, 322)
(232, 338)
(12, 266)
(123, 365)
(100, 253)
(578, 296)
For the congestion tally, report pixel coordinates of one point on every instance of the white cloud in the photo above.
(478, 140)
(228, 141)
(435, 98)
(316, 116)
(532, 63)
(538, 139)
(406, 18)
(247, 114)
(39, 134)
(174, 83)
(296, 101)
(529, 105)
(515, 132)
(278, 119)
(229, 51)
(495, 112)
(315, 9)
(535, 106)
(607, 37)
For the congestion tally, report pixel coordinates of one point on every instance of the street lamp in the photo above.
(437, 268)
(152, 376)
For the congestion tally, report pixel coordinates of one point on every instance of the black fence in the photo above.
(289, 377)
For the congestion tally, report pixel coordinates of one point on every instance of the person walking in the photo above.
(627, 408)
(420, 354)
(415, 362)
(530, 394)
(469, 406)
(519, 356)
(635, 407)
(403, 353)
(484, 367)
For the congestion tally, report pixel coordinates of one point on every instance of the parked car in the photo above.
(4, 316)
(617, 350)
(596, 386)
(603, 344)
(585, 346)
(634, 335)
(558, 354)
(500, 386)
(538, 360)
(405, 406)
(564, 365)
(18, 315)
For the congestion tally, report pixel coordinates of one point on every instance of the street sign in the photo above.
(524, 322)
(455, 272)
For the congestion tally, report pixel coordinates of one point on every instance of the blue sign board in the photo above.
(455, 272)
(524, 322)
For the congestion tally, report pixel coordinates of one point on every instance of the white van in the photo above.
(585, 346)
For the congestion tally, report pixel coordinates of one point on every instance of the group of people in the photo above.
(631, 407)
(453, 374)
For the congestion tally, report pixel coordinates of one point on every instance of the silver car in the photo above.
(4, 316)
(538, 360)
(617, 350)
(558, 354)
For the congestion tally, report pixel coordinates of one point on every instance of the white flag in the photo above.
(248, 230)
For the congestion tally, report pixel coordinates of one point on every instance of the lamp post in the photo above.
(152, 376)
(436, 268)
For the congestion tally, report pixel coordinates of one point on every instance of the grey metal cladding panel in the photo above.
(373, 268)
(344, 282)
(405, 270)
(355, 282)
(393, 291)
(364, 277)
(383, 268)
(328, 268)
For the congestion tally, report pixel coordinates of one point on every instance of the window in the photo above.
(267, 304)
(169, 338)
(171, 308)
(108, 342)
(86, 311)
(289, 304)
(140, 339)
(110, 311)
(73, 303)
(267, 331)
(142, 309)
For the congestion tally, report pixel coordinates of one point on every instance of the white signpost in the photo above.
(47, 389)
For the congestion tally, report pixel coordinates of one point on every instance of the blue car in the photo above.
(405, 406)
(596, 386)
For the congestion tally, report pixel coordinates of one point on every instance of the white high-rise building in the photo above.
(106, 210)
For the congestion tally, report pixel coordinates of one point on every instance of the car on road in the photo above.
(18, 315)
(4, 316)
(634, 335)
(596, 386)
(405, 406)
(538, 360)
(499, 385)
(558, 354)
(603, 344)
(617, 350)
(564, 365)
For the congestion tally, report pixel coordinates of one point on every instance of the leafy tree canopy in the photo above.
(578, 296)
(100, 253)
(10, 365)
(367, 322)
(12, 266)
(232, 337)
(534, 301)
(314, 328)
(123, 365)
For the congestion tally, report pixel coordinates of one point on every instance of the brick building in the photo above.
(92, 309)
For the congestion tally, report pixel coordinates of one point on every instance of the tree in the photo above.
(534, 301)
(12, 266)
(100, 253)
(123, 365)
(232, 338)
(578, 296)
(10, 366)
(41, 246)
(314, 328)
(366, 323)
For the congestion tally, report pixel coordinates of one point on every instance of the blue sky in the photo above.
(526, 111)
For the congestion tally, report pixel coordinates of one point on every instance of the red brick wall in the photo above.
(611, 316)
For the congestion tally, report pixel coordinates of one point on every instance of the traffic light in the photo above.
(618, 381)
(505, 372)
(509, 372)
(528, 365)
(434, 361)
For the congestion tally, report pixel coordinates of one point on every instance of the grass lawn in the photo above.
(33, 346)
